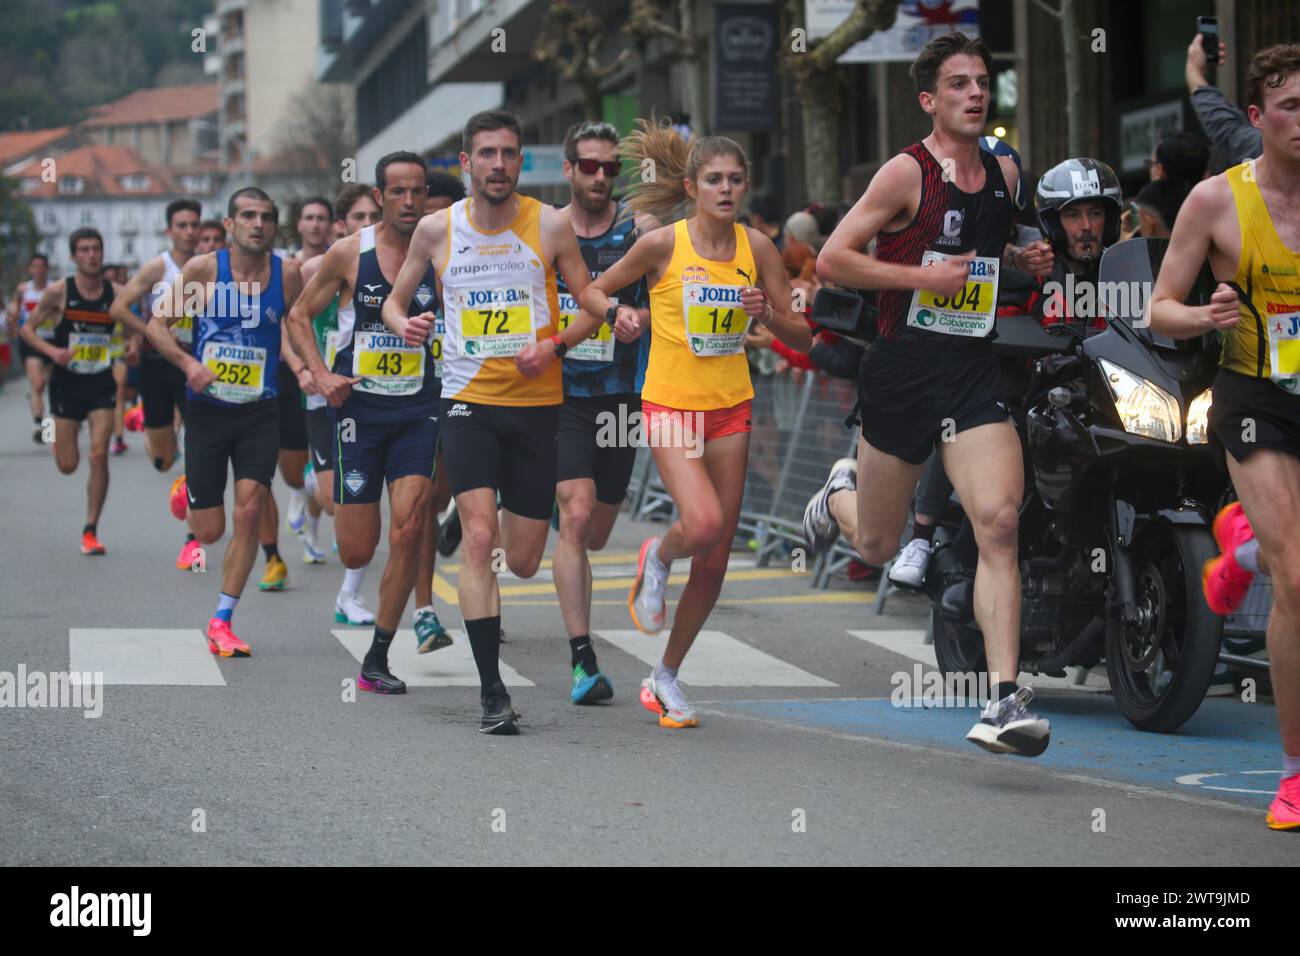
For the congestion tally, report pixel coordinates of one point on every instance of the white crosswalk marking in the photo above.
(717, 660)
(450, 667)
(912, 644)
(167, 656)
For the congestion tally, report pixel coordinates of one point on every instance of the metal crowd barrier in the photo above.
(798, 431)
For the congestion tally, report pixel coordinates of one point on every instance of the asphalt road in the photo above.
(801, 756)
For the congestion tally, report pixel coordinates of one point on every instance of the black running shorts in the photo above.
(75, 396)
(907, 403)
(293, 416)
(320, 438)
(219, 438)
(594, 443)
(26, 352)
(509, 449)
(1250, 413)
(162, 391)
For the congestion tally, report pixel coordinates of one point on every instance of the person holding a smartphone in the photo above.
(1224, 123)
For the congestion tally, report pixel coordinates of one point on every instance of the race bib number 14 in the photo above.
(716, 322)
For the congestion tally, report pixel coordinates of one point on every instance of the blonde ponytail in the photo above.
(671, 161)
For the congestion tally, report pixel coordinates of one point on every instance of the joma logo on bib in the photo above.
(475, 298)
(236, 352)
(726, 295)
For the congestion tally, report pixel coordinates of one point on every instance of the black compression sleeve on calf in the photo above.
(484, 641)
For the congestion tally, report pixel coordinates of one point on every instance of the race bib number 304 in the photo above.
(90, 352)
(597, 347)
(496, 323)
(716, 322)
(239, 370)
(1284, 350)
(969, 313)
(385, 365)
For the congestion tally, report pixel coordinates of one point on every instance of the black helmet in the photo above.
(1070, 182)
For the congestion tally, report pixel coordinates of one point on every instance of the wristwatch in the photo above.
(611, 315)
(560, 347)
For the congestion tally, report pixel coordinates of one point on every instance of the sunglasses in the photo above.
(588, 167)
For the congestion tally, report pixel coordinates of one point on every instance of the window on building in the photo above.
(87, 218)
(399, 82)
(49, 219)
(71, 185)
(135, 183)
(128, 247)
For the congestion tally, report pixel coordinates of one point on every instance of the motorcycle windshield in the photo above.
(1127, 280)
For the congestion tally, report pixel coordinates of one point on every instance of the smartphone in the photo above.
(1209, 30)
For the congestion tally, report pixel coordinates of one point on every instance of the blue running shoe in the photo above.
(588, 689)
(429, 633)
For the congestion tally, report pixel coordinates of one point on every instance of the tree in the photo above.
(18, 235)
(1065, 14)
(318, 136)
(647, 20)
(570, 44)
(816, 76)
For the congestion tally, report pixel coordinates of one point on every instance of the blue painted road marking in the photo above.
(1088, 736)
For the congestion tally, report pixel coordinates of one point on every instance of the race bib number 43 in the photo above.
(1284, 350)
(385, 365)
(716, 322)
(496, 323)
(969, 313)
(239, 370)
(89, 352)
(597, 347)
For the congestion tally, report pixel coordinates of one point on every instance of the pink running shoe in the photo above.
(185, 560)
(178, 497)
(133, 420)
(1224, 580)
(1284, 813)
(222, 640)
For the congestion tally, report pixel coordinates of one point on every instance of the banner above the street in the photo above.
(918, 22)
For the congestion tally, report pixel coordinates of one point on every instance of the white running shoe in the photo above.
(646, 603)
(1007, 726)
(350, 609)
(663, 696)
(909, 566)
(820, 529)
(311, 554)
(297, 511)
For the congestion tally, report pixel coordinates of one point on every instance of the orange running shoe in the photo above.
(179, 498)
(133, 420)
(1284, 814)
(185, 560)
(90, 544)
(1224, 581)
(222, 640)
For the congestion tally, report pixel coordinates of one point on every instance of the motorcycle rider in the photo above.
(1079, 204)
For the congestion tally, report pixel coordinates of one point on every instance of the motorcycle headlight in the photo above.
(1144, 408)
(1198, 418)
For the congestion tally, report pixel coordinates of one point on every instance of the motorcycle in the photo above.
(1120, 492)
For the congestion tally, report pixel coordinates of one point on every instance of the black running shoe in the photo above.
(498, 716)
(379, 679)
(449, 535)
